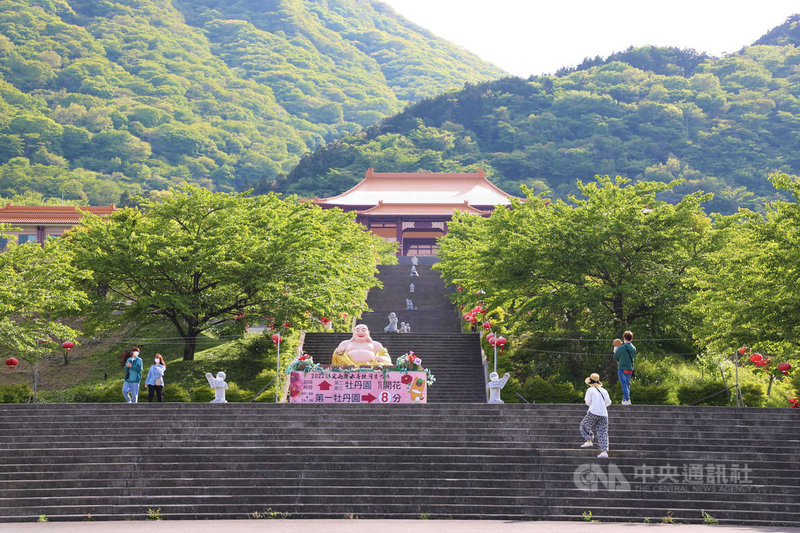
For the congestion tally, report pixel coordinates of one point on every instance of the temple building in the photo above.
(413, 208)
(37, 223)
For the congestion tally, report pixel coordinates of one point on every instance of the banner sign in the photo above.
(358, 387)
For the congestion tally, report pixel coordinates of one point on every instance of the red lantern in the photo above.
(501, 342)
(784, 368)
(68, 345)
(12, 362)
(487, 325)
(276, 338)
(756, 357)
(742, 350)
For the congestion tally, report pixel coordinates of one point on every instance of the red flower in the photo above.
(406, 379)
(795, 403)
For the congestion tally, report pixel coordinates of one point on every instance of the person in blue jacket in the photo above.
(133, 376)
(155, 378)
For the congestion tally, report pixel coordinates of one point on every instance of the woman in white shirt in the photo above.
(596, 420)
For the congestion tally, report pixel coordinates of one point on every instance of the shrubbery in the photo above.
(689, 394)
(14, 393)
(753, 395)
(539, 390)
(653, 394)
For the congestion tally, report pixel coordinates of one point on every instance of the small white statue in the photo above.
(410, 305)
(219, 386)
(411, 288)
(495, 385)
(392, 327)
(414, 273)
(403, 327)
(414, 260)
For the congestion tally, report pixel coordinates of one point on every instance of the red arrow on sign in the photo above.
(324, 385)
(369, 398)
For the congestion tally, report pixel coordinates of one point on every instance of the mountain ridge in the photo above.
(720, 124)
(103, 97)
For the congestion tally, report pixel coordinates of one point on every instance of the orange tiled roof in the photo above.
(49, 214)
(443, 188)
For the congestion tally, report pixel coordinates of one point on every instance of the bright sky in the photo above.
(527, 37)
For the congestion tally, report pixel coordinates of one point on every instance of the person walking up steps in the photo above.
(596, 419)
(133, 376)
(624, 356)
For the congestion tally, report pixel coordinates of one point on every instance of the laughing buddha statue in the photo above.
(361, 350)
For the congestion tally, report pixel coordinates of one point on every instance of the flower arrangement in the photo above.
(411, 362)
(303, 362)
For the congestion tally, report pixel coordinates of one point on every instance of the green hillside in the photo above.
(723, 124)
(98, 97)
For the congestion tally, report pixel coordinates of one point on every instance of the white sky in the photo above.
(527, 37)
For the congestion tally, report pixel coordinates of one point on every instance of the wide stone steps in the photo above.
(406, 461)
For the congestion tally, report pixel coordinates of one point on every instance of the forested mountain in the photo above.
(98, 97)
(723, 124)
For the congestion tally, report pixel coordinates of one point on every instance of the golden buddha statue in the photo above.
(361, 350)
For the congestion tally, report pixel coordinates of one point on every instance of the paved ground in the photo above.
(375, 526)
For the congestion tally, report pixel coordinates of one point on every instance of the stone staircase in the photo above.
(454, 358)
(514, 462)
(434, 314)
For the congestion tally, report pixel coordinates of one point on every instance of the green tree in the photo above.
(612, 260)
(38, 287)
(747, 294)
(199, 258)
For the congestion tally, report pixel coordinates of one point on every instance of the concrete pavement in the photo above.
(375, 526)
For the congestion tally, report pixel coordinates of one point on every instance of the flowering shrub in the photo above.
(304, 362)
(411, 362)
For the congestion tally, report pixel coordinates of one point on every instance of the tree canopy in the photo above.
(611, 259)
(204, 260)
(39, 288)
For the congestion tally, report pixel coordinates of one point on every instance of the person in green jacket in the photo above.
(624, 356)
(133, 376)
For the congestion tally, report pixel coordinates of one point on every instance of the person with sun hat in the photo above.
(595, 423)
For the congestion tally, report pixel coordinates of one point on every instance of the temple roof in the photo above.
(49, 214)
(415, 188)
